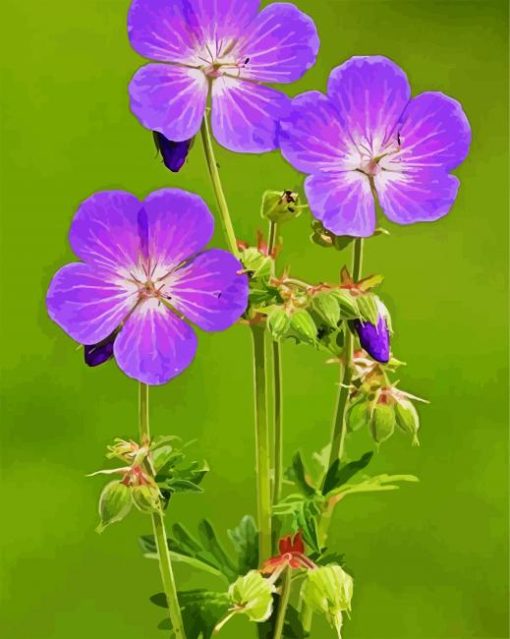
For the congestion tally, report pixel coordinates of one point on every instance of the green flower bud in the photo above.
(278, 323)
(280, 206)
(302, 324)
(408, 419)
(252, 595)
(328, 590)
(326, 305)
(369, 310)
(347, 303)
(256, 263)
(382, 422)
(114, 504)
(146, 498)
(359, 415)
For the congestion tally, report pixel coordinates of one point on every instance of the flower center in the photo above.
(149, 289)
(219, 58)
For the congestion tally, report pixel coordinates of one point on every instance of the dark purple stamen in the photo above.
(96, 354)
(375, 339)
(174, 154)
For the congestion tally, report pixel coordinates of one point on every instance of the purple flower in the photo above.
(374, 338)
(222, 49)
(144, 270)
(368, 136)
(174, 154)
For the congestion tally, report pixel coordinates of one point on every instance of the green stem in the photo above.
(262, 442)
(158, 525)
(277, 398)
(339, 424)
(282, 606)
(214, 174)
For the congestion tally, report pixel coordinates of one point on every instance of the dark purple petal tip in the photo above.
(174, 154)
(375, 339)
(97, 354)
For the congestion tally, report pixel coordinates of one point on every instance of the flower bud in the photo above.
(280, 206)
(328, 590)
(114, 504)
(359, 415)
(252, 595)
(96, 354)
(146, 497)
(302, 324)
(408, 419)
(278, 323)
(382, 422)
(374, 337)
(174, 154)
(326, 305)
(348, 305)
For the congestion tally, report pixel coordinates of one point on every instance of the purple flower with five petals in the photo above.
(223, 50)
(145, 271)
(368, 137)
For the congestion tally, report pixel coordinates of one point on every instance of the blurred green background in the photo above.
(430, 561)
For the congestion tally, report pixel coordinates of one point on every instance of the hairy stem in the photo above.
(214, 174)
(262, 442)
(158, 525)
(339, 423)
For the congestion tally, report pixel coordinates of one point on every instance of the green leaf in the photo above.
(211, 543)
(383, 422)
(367, 305)
(149, 549)
(114, 504)
(306, 520)
(379, 483)
(339, 474)
(252, 595)
(245, 540)
(201, 611)
(297, 473)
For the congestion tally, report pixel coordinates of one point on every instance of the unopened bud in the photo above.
(146, 498)
(280, 206)
(327, 306)
(382, 422)
(359, 415)
(174, 154)
(302, 324)
(408, 419)
(252, 595)
(114, 504)
(278, 323)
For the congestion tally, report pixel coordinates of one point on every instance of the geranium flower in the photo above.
(291, 553)
(143, 272)
(368, 136)
(223, 49)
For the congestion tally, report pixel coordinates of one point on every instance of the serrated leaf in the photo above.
(244, 537)
(211, 543)
(378, 483)
(339, 474)
(298, 473)
(201, 610)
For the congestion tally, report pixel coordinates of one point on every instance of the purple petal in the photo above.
(281, 44)
(416, 196)
(180, 225)
(174, 154)
(343, 202)
(154, 345)
(210, 291)
(370, 93)
(85, 304)
(104, 230)
(160, 30)
(375, 339)
(312, 138)
(97, 354)
(245, 115)
(169, 99)
(217, 21)
(434, 133)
